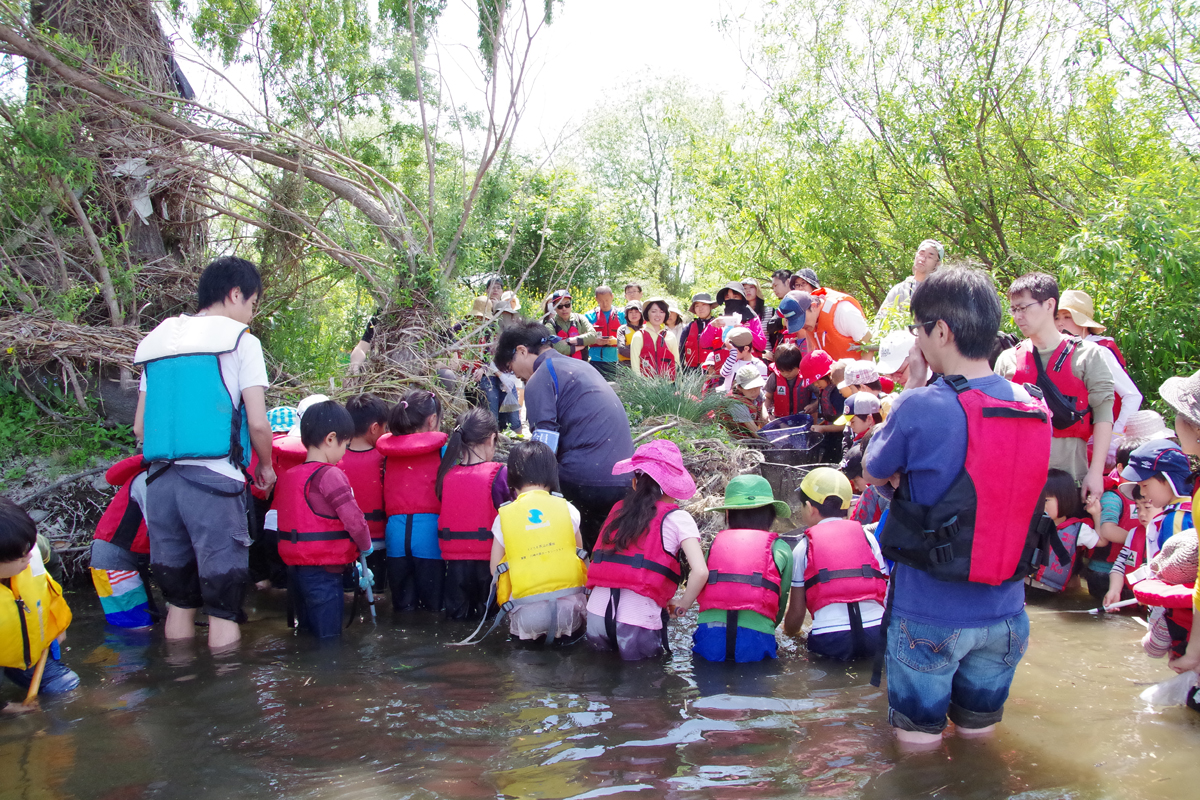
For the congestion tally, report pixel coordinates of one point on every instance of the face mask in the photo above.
(739, 307)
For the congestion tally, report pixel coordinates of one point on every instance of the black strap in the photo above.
(1060, 549)
(378, 515)
(856, 627)
(637, 562)
(827, 575)
(1014, 413)
(479, 534)
(881, 646)
(408, 549)
(730, 635)
(610, 619)
(151, 478)
(957, 382)
(1063, 413)
(666, 642)
(295, 537)
(756, 580)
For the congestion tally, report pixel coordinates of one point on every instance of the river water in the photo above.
(394, 713)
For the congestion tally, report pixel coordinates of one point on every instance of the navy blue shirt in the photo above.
(925, 436)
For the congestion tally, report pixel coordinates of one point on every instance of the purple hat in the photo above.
(1159, 457)
(660, 459)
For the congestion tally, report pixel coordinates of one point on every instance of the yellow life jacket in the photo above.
(32, 615)
(539, 548)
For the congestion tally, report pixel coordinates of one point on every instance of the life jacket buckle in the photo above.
(942, 554)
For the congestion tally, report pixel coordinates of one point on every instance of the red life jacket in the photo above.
(122, 522)
(789, 398)
(645, 567)
(1111, 344)
(607, 323)
(1061, 559)
(307, 538)
(465, 524)
(364, 468)
(742, 574)
(693, 352)
(1177, 600)
(576, 352)
(287, 452)
(657, 360)
(1110, 551)
(1072, 388)
(986, 527)
(841, 566)
(410, 472)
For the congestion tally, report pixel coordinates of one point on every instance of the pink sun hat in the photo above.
(660, 459)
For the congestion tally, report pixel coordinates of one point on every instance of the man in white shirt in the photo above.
(893, 311)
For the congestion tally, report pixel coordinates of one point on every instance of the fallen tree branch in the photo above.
(87, 473)
(653, 431)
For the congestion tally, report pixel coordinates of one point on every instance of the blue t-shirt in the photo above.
(925, 436)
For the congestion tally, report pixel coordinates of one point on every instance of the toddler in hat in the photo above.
(741, 343)
(746, 414)
(636, 566)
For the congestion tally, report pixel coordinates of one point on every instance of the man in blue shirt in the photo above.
(952, 646)
(606, 320)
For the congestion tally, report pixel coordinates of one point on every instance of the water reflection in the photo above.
(392, 712)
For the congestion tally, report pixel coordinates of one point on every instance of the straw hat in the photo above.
(481, 307)
(508, 302)
(661, 460)
(1081, 308)
(1183, 395)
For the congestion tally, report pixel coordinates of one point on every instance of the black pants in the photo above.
(594, 503)
(466, 590)
(416, 583)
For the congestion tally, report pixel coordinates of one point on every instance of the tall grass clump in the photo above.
(645, 398)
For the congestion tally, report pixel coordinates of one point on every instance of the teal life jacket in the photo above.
(189, 412)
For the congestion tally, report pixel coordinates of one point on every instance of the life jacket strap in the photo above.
(295, 537)
(827, 575)
(730, 635)
(478, 535)
(637, 562)
(756, 580)
(377, 515)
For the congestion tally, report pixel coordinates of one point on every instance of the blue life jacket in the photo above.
(189, 412)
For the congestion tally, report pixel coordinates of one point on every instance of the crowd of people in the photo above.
(973, 472)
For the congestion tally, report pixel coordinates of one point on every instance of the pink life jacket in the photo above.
(410, 472)
(307, 538)
(364, 468)
(841, 566)
(1176, 598)
(465, 524)
(986, 527)
(1060, 373)
(645, 567)
(742, 574)
(122, 522)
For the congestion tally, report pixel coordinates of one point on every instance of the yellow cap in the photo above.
(824, 482)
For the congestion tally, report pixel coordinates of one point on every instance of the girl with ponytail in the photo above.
(471, 487)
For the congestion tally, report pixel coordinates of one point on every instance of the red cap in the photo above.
(814, 365)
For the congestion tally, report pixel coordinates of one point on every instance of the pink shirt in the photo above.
(636, 609)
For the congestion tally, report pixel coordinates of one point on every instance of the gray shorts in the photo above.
(199, 539)
(633, 642)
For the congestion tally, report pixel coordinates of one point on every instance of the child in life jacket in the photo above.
(120, 562)
(1133, 553)
(1118, 521)
(872, 501)
(537, 551)
(625, 334)
(1076, 525)
(266, 569)
(636, 567)
(745, 416)
(741, 354)
(863, 412)
(818, 370)
(749, 574)
(1161, 470)
(712, 378)
(363, 465)
(413, 452)
(321, 528)
(1175, 565)
(838, 573)
(471, 486)
(786, 391)
(33, 614)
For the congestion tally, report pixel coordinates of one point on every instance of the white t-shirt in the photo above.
(835, 616)
(241, 369)
(1123, 386)
(847, 319)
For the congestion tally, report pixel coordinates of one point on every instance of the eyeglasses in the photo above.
(928, 326)
(1015, 310)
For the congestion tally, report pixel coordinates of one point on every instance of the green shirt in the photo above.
(752, 619)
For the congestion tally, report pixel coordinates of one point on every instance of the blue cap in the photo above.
(282, 418)
(793, 308)
(1159, 457)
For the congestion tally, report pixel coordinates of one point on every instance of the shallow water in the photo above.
(394, 713)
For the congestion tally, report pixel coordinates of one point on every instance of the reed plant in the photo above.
(647, 398)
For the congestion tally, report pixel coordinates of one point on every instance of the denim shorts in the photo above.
(935, 670)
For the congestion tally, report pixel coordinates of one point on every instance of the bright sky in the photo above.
(596, 47)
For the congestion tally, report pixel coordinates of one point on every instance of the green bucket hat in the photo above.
(752, 491)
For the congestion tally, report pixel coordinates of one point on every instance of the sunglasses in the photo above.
(564, 305)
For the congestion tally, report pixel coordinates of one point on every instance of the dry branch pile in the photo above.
(37, 340)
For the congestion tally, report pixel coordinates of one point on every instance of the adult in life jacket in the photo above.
(1075, 318)
(835, 323)
(749, 572)
(654, 351)
(1072, 376)
(607, 321)
(576, 334)
(33, 613)
(636, 566)
(413, 453)
(1182, 394)
(537, 552)
(201, 408)
(472, 486)
(737, 313)
(694, 354)
(120, 557)
(1075, 529)
(839, 574)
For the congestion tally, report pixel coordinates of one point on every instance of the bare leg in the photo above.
(975, 733)
(181, 622)
(917, 740)
(223, 634)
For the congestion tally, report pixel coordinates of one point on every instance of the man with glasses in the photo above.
(1071, 373)
(970, 451)
(574, 331)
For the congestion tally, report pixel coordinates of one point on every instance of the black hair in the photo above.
(851, 465)
(223, 276)
(832, 507)
(787, 356)
(321, 419)
(784, 275)
(641, 318)
(474, 427)
(532, 464)
(876, 417)
(1061, 485)
(1041, 287)
(530, 334)
(966, 300)
(367, 409)
(661, 304)
(409, 415)
(18, 531)
(875, 385)
(632, 521)
(1123, 454)
(494, 279)
(755, 519)
(629, 286)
